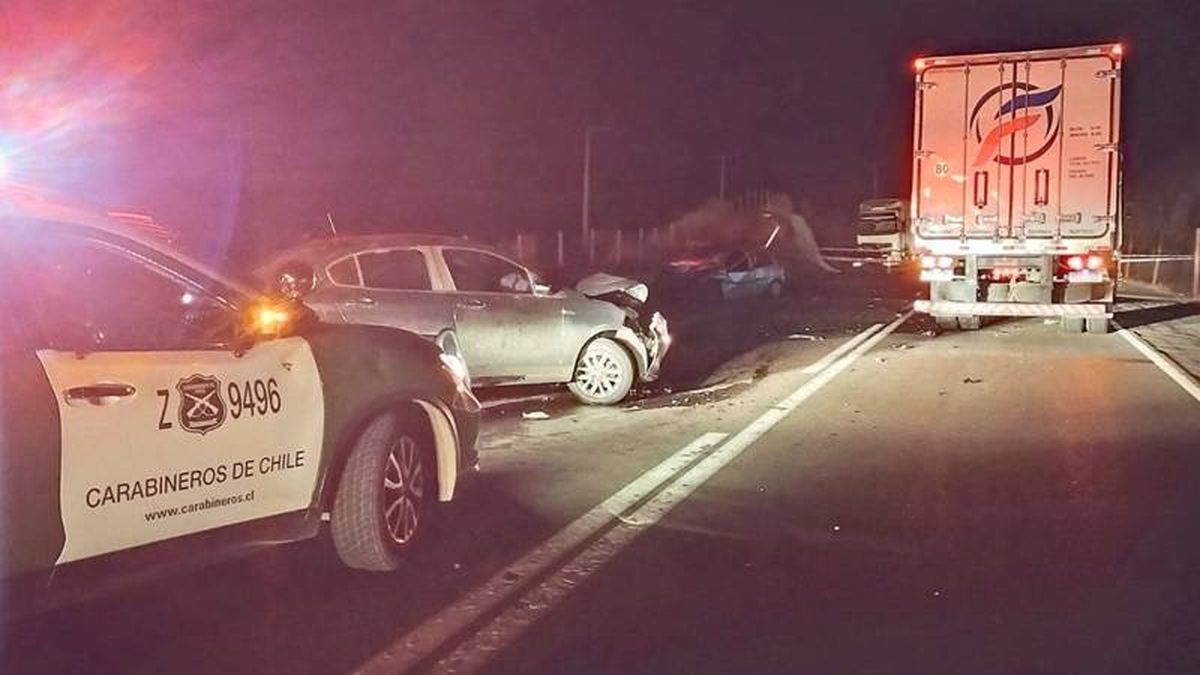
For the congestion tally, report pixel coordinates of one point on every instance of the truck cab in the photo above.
(883, 229)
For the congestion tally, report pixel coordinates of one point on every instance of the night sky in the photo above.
(223, 117)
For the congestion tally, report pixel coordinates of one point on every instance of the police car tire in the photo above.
(359, 524)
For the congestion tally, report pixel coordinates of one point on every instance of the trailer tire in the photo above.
(970, 322)
(1072, 325)
(1097, 325)
(946, 322)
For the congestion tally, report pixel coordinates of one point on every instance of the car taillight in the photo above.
(1095, 262)
(1075, 263)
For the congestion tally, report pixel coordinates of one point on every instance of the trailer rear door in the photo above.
(1017, 146)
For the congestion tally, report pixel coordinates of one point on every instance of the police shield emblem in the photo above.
(201, 408)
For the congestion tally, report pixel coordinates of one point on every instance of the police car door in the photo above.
(166, 429)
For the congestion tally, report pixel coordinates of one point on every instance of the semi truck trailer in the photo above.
(1016, 185)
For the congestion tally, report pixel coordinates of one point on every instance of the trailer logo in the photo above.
(1026, 105)
(202, 409)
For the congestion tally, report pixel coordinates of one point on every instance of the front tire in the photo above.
(604, 374)
(970, 322)
(385, 494)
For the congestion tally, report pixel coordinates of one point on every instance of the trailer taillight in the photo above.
(1075, 263)
(1095, 262)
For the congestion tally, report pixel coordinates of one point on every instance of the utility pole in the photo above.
(585, 220)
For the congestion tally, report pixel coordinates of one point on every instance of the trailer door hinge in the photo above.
(1034, 218)
(1070, 217)
(1106, 147)
(1108, 74)
(925, 84)
(953, 220)
(987, 219)
(1104, 219)
(922, 154)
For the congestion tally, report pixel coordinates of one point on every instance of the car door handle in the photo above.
(472, 304)
(98, 394)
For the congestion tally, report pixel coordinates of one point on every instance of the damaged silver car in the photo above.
(502, 320)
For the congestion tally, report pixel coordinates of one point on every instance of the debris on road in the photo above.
(902, 346)
(802, 336)
(971, 380)
(535, 415)
(761, 372)
(880, 359)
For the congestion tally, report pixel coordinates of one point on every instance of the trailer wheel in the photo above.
(1097, 325)
(969, 322)
(946, 322)
(1072, 325)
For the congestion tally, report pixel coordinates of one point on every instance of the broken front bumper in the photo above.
(658, 342)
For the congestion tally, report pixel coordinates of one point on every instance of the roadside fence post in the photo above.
(561, 262)
(1154, 272)
(1196, 268)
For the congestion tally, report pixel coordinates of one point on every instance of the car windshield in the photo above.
(599, 337)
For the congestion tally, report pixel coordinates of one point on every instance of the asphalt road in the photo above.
(1012, 500)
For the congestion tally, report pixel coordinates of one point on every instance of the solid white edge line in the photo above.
(823, 362)
(474, 652)
(1164, 364)
(424, 640)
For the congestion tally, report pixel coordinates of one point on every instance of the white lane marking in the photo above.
(410, 650)
(818, 366)
(473, 653)
(1164, 364)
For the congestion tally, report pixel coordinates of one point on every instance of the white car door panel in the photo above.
(157, 445)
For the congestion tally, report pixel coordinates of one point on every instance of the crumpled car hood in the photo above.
(600, 284)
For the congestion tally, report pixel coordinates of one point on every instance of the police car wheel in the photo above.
(383, 501)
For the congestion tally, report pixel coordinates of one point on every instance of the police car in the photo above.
(154, 413)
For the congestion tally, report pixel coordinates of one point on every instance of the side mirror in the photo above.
(295, 280)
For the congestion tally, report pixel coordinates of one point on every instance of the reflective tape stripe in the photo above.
(1009, 309)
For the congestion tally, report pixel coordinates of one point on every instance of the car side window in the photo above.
(479, 272)
(86, 295)
(344, 272)
(398, 270)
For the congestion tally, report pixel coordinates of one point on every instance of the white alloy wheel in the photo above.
(604, 374)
